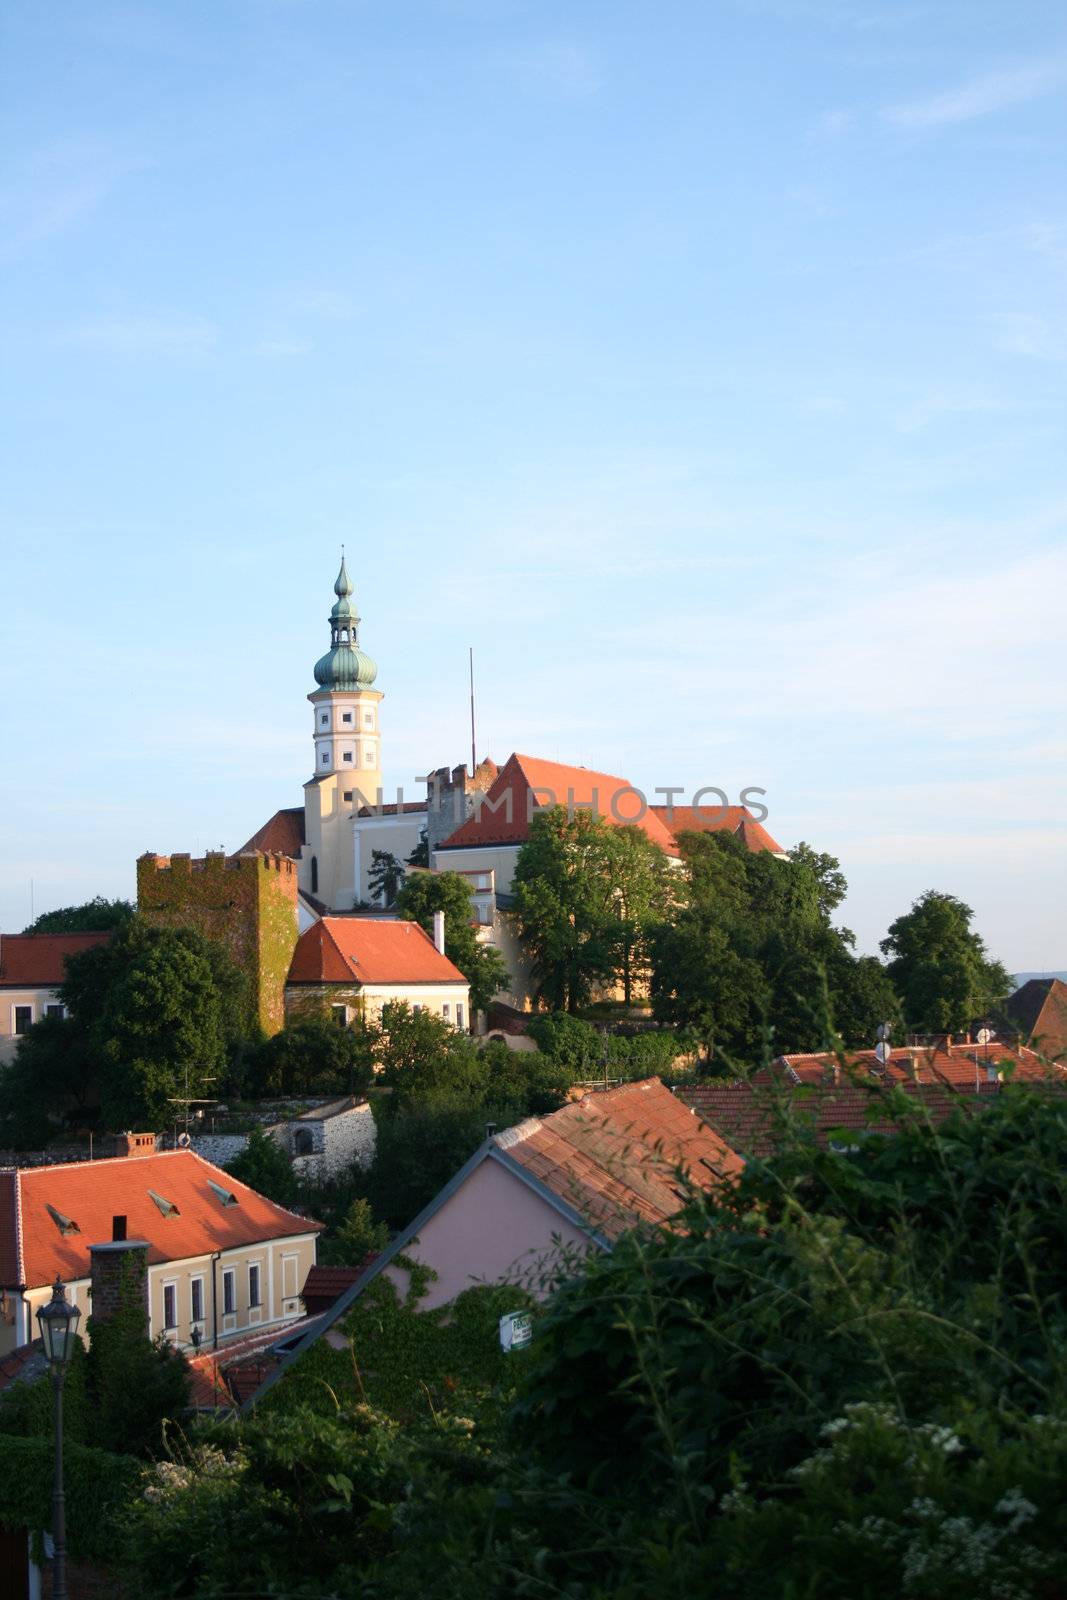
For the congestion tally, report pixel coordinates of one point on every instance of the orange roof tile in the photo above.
(282, 835)
(533, 785)
(955, 1065)
(747, 1114)
(38, 960)
(718, 819)
(369, 950)
(91, 1193)
(614, 1156)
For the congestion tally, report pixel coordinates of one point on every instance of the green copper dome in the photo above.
(345, 665)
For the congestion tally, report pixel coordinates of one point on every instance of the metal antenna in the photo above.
(474, 757)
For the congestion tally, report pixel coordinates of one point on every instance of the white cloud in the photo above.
(980, 97)
(144, 335)
(57, 187)
(1022, 333)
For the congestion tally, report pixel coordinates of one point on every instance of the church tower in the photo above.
(348, 765)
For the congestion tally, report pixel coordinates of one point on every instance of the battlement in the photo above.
(216, 862)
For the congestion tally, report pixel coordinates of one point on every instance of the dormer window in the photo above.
(64, 1224)
(167, 1207)
(224, 1195)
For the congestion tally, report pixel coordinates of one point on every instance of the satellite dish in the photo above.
(183, 1141)
(985, 1035)
(882, 1050)
(884, 1030)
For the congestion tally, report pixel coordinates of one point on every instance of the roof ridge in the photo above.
(20, 1264)
(517, 1134)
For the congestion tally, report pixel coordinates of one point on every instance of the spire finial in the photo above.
(343, 587)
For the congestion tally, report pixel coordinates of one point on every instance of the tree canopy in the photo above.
(940, 967)
(481, 964)
(92, 916)
(586, 895)
(153, 1016)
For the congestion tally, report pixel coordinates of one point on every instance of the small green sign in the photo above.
(516, 1330)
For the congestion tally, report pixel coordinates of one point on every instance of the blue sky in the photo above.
(701, 362)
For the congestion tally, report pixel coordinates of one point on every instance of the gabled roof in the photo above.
(220, 1380)
(369, 950)
(956, 1066)
(606, 1163)
(719, 819)
(407, 808)
(38, 960)
(282, 835)
(1039, 1008)
(89, 1194)
(533, 785)
(614, 1156)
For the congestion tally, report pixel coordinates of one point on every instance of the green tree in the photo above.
(136, 1385)
(939, 966)
(385, 876)
(265, 1167)
(93, 916)
(586, 895)
(420, 856)
(419, 1052)
(481, 964)
(315, 1057)
(154, 1015)
(358, 1237)
(571, 1041)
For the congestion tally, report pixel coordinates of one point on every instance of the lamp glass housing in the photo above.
(59, 1327)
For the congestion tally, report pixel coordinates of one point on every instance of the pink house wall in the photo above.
(494, 1229)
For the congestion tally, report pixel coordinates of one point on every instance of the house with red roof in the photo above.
(534, 1195)
(351, 966)
(485, 847)
(32, 967)
(223, 1261)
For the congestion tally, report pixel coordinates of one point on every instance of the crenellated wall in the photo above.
(246, 903)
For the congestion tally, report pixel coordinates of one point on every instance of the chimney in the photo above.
(118, 1230)
(132, 1145)
(439, 931)
(118, 1271)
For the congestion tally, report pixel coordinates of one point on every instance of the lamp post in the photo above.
(59, 1326)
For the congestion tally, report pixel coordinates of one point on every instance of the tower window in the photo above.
(348, 755)
(347, 797)
(326, 758)
(324, 719)
(368, 719)
(314, 874)
(346, 716)
(368, 759)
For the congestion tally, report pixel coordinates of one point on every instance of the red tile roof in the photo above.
(323, 1285)
(369, 950)
(392, 810)
(533, 785)
(227, 1376)
(956, 1066)
(91, 1193)
(38, 960)
(282, 835)
(614, 1156)
(749, 1115)
(718, 819)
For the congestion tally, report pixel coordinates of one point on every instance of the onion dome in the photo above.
(345, 665)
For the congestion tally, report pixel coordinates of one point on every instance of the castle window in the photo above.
(346, 716)
(324, 719)
(314, 874)
(368, 719)
(368, 759)
(348, 755)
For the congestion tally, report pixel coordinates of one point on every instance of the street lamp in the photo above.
(59, 1326)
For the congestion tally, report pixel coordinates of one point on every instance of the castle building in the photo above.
(247, 903)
